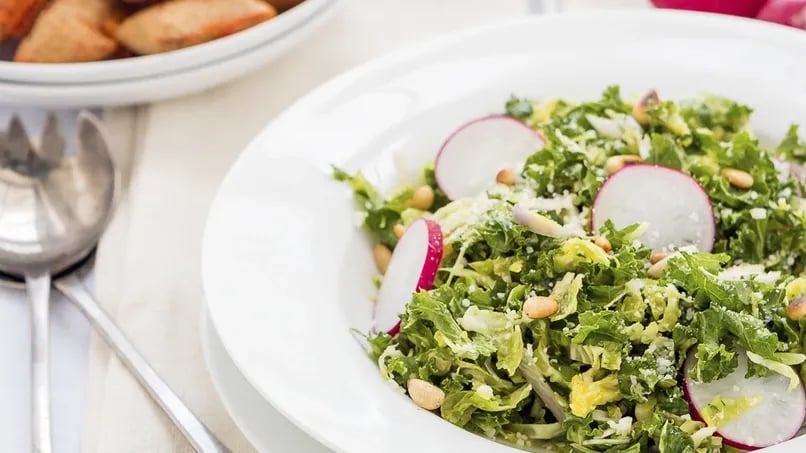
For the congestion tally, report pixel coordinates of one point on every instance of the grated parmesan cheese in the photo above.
(758, 213)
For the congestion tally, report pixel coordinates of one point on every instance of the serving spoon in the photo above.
(53, 210)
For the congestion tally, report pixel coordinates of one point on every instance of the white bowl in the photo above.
(286, 271)
(162, 76)
(251, 413)
(165, 63)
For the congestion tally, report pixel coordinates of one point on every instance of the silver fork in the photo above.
(77, 198)
(22, 163)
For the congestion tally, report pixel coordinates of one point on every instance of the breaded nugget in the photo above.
(17, 16)
(70, 31)
(283, 5)
(93, 12)
(182, 23)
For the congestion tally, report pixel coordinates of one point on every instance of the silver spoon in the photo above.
(53, 210)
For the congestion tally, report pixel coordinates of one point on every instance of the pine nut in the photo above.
(603, 243)
(738, 178)
(506, 177)
(656, 270)
(425, 394)
(658, 256)
(797, 309)
(422, 198)
(639, 108)
(616, 163)
(399, 230)
(539, 307)
(382, 256)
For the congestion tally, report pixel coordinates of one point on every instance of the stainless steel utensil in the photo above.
(53, 210)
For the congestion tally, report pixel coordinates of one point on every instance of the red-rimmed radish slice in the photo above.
(675, 207)
(413, 267)
(772, 412)
(470, 159)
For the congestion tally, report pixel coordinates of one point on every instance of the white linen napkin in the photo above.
(148, 272)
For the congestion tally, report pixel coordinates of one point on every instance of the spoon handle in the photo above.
(196, 433)
(38, 287)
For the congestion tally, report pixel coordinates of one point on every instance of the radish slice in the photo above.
(471, 157)
(675, 207)
(412, 268)
(775, 413)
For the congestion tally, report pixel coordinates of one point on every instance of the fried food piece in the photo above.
(283, 5)
(17, 16)
(182, 23)
(70, 31)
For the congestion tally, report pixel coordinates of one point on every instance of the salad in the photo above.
(604, 276)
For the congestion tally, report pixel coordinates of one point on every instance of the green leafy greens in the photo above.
(601, 373)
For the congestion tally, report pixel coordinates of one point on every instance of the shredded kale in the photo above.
(601, 374)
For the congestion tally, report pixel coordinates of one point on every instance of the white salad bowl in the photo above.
(287, 271)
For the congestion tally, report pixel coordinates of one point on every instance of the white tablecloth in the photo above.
(148, 265)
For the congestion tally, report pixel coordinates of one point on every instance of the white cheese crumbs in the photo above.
(758, 213)
(555, 204)
(753, 195)
(769, 278)
(665, 367)
(740, 272)
(465, 303)
(726, 212)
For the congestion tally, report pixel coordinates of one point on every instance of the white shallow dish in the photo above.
(158, 77)
(285, 269)
(284, 24)
(266, 429)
